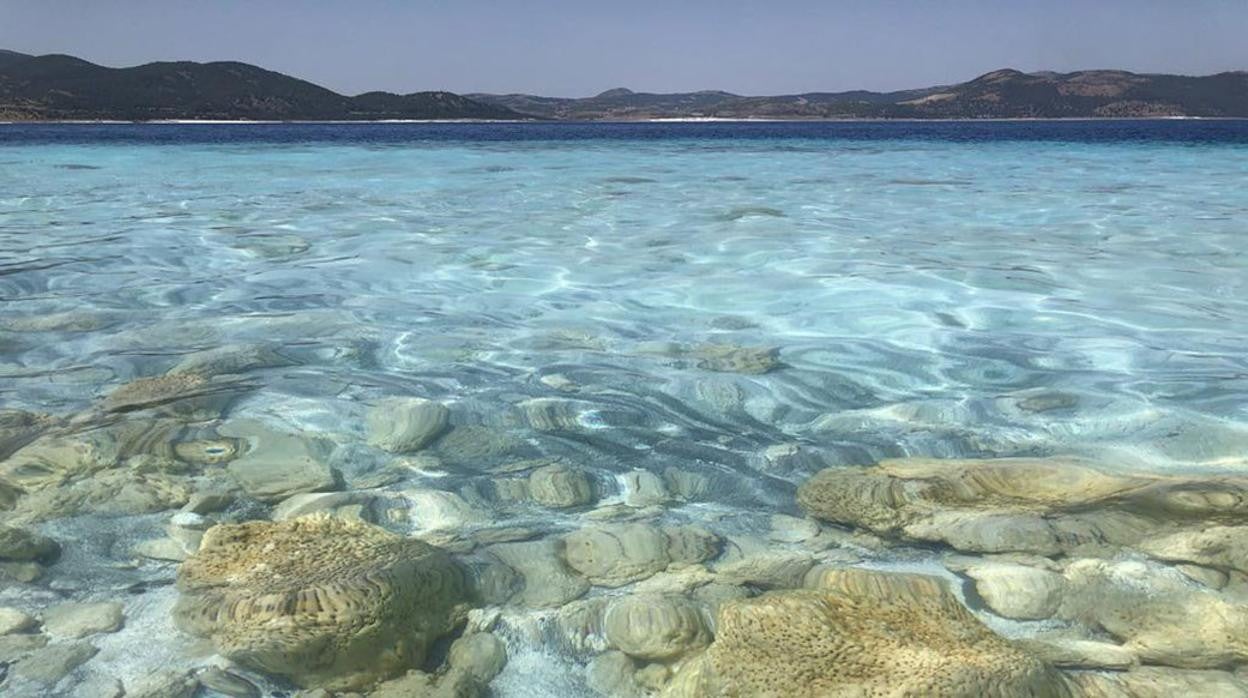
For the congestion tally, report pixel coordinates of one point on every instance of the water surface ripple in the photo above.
(929, 289)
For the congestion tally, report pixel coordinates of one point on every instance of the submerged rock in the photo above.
(277, 465)
(865, 633)
(14, 621)
(722, 358)
(16, 646)
(231, 359)
(771, 569)
(164, 683)
(1080, 654)
(1222, 547)
(477, 447)
(318, 600)
(614, 674)
(437, 510)
(685, 485)
(227, 683)
(78, 620)
(560, 486)
(373, 507)
(482, 655)
(113, 492)
(1160, 682)
(1018, 591)
(1043, 506)
(403, 424)
(186, 394)
(643, 488)
(615, 555)
(728, 358)
(23, 545)
(18, 428)
(655, 627)
(544, 581)
(553, 414)
(1157, 613)
(53, 460)
(67, 321)
(52, 663)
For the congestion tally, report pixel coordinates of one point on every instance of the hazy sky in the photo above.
(581, 47)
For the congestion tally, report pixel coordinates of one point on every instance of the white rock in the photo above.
(643, 488)
(277, 464)
(77, 620)
(436, 510)
(14, 621)
(790, 529)
(1018, 591)
(560, 486)
(405, 424)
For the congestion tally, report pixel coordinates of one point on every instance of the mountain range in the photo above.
(60, 87)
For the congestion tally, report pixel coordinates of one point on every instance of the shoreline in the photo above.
(654, 120)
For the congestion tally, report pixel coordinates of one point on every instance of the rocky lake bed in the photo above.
(261, 560)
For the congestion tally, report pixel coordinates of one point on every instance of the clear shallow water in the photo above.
(931, 289)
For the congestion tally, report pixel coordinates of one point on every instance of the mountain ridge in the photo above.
(62, 87)
(999, 94)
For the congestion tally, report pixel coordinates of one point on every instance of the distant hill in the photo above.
(998, 95)
(619, 103)
(58, 87)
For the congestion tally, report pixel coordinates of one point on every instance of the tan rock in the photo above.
(1157, 614)
(614, 674)
(482, 655)
(78, 620)
(1224, 547)
(322, 601)
(777, 569)
(1080, 654)
(643, 488)
(18, 645)
(14, 621)
(617, 554)
(560, 486)
(403, 425)
(1043, 506)
(117, 491)
(166, 683)
(544, 580)
(729, 358)
(184, 394)
(52, 460)
(1160, 682)
(22, 545)
(50, 664)
(655, 627)
(867, 633)
(227, 683)
(277, 464)
(1018, 591)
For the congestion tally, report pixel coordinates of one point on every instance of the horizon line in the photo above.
(630, 90)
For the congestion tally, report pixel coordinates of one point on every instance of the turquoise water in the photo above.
(923, 296)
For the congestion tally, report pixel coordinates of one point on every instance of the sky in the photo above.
(578, 48)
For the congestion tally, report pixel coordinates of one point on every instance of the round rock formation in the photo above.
(864, 634)
(324, 602)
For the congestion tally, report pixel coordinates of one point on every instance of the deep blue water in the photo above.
(1078, 131)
